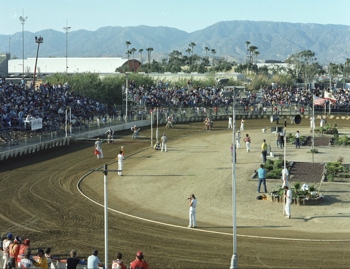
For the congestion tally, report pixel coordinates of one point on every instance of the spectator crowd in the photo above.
(19, 254)
(50, 102)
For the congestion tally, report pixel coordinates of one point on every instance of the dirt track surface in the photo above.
(40, 201)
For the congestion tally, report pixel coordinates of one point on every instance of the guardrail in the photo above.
(94, 128)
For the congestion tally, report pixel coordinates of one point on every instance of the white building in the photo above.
(58, 65)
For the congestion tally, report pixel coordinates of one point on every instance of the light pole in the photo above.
(38, 40)
(23, 20)
(234, 262)
(10, 46)
(234, 255)
(66, 29)
(126, 96)
(105, 191)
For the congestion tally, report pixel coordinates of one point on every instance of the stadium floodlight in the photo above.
(23, 20)
(66, 29)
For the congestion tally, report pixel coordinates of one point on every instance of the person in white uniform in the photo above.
(192, 215)
(312, 123)
(247, 141)
(242, 125)
(120, 158)
(285, 177)
(163, 139)
(238, 139)
(288, 196)
(230, 123)
(98, 147)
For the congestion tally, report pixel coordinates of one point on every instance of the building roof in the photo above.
(75, 65)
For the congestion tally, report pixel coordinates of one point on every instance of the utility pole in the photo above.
(66, 29)
(23, 20)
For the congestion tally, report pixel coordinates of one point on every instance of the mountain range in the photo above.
(275, 41)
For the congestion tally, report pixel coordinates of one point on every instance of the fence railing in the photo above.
(177, 114)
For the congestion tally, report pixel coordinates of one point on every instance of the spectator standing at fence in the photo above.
(73, 261)
(13, 252)
(93, 261)
(118, 263)
(98, 149)
(25, 262)
(42, 261)
(22, 249)
(5, 245)
(139, 262)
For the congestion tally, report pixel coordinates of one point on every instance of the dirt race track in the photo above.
(40, 201)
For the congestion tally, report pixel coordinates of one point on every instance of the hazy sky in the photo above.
(187, 15)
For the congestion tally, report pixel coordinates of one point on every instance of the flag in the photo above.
(319, 101)
(329, 96)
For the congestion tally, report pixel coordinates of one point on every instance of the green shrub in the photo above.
(344, 175)
(330, 178)
(275, 174)
(269, 162)
(278, 164)
(297, 185)
(268, 167)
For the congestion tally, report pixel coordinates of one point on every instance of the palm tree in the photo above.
(149, 50)
(192, 45)
(257, 53)
(133, 58)
(252, 49)
(246, 57)
(128, 53)
(128, 43)
(189, 54)
(140, 51)
(206, 51)
(213, 51)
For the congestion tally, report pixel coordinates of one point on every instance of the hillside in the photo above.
(275, 40)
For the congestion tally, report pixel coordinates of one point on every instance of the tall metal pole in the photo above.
(66, 123)
(38, 40)
(66, 29)
(284, 175)
(10, 46)
(105, 190)
(313, 123)
(151, 128)
(23, 20)
(157, 126)
(234, 261)
(126, 97)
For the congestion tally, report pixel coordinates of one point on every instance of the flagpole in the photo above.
(325, 105)
(313, 122)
